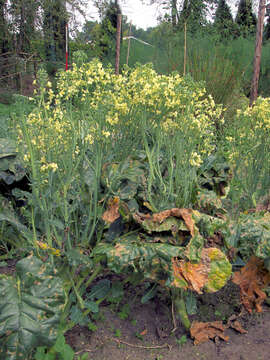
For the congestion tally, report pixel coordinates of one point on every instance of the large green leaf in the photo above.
(124, 179)
(152, 259)
(251, 235)
(10, 168)
(12, 222)
(30, 309)
(7, 148)
(215, 175)
(171, 224)
(7, 153)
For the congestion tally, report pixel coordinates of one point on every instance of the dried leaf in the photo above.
(196, 275)
(144, 332)
(237, 326)
(112, 213)
(202, 332)
(252, 279)
(185, 214)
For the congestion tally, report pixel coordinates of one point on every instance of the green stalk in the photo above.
(77, 288)
(93, 202)
(180, 308)
(151, 172)
(79, 298)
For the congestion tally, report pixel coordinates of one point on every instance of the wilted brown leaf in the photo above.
(238, 327)
(196, 275)
(144, 332)
(185, 214)
(252, 279)
(202, 332)
(112, 213)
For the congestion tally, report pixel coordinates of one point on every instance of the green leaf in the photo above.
(63, 349)
(100, 290)
(77, 316)
(92, 306)
(76, 258)
(153, 260)
(7, 148)
(194, 248)
(30, 308)
(191, 303)
(42, 354)
(149, 295)
(117, 290)
(171, 224)
(84, 356)
(8, 161)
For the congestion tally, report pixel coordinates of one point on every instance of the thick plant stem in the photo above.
(180, 308)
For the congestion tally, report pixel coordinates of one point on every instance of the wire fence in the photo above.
(19, 69)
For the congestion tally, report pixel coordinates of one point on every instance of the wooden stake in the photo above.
(258, 53)
(185, 48)
(129, 34)
(66, 46)
(118, 40)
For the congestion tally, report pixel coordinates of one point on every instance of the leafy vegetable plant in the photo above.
(30, 308)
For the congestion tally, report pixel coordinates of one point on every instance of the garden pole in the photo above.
(66, 46)
(258, 53)
(185, 48)
(129, 34)
(118, 40)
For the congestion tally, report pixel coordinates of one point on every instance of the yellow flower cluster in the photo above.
(250, 131)
(50, 166)
(51, 250)
(167, 102)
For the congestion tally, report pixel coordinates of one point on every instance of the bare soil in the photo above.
(131, 330)
(146, 333)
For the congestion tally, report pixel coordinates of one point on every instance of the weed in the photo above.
(133, 322)
(91, 326)
(118, 333)
(182, 341)
(125, 311)
(139, 336)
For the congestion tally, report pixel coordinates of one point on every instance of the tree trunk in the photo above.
(3, 27)
(174, 13)
(258, 52)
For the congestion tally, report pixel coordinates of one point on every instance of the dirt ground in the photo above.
(130, 330)
(146, 332)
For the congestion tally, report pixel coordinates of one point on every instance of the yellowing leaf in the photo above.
(112, 213)
(211, 273)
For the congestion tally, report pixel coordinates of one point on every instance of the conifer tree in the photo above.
(108, 28)
(3, 27)
(245, 18)
(54, 23)
(267, 28)
(223, 19)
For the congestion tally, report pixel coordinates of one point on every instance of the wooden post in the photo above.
(129, 34)
(66, 46)
(185, 48)
(118, 40)
(258, 53)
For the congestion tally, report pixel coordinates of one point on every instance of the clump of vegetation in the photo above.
(135, 177)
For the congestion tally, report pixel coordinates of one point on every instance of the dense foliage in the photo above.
(158, 177)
